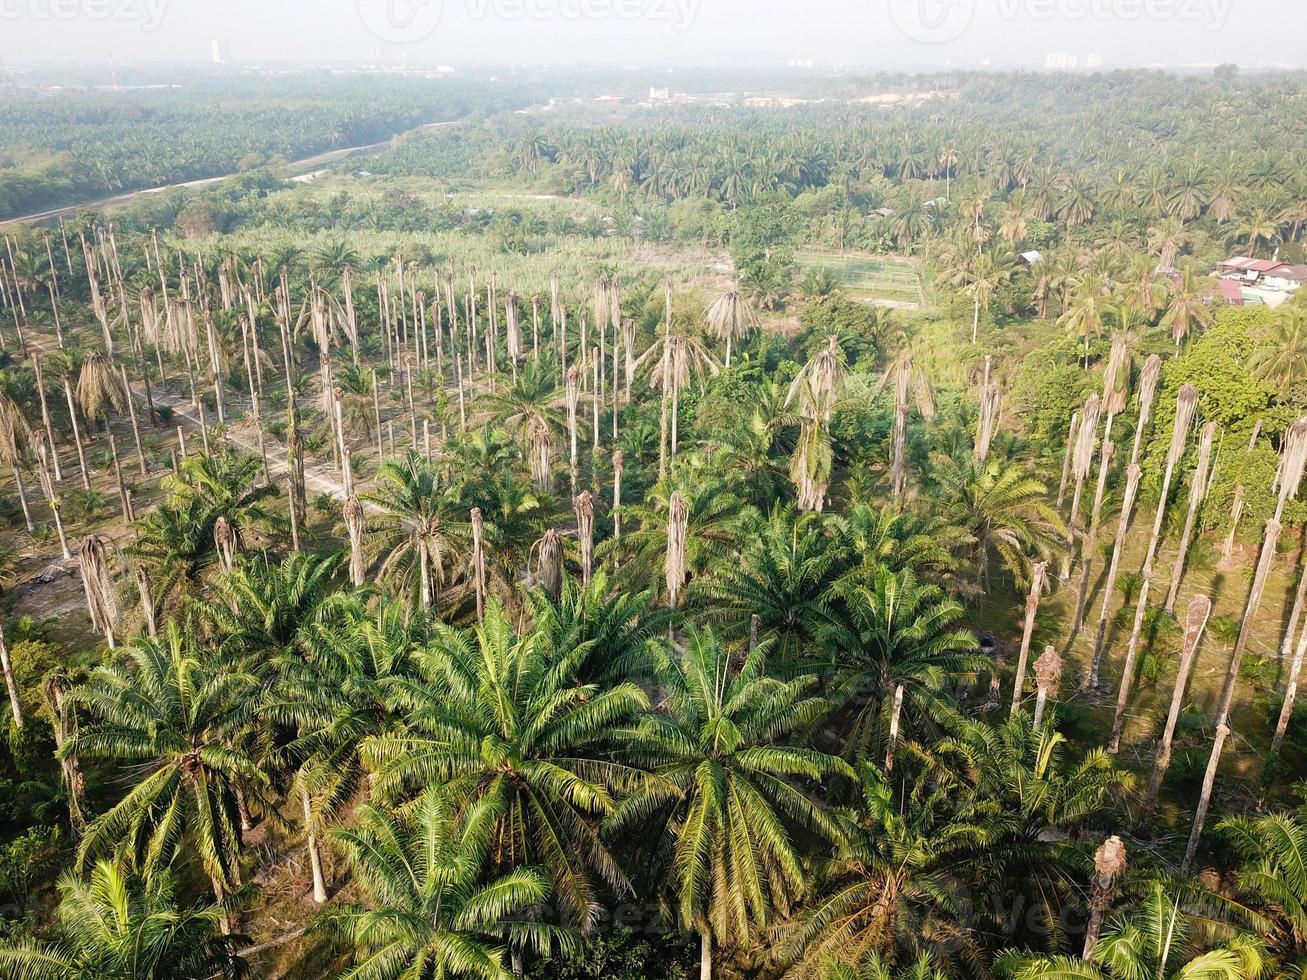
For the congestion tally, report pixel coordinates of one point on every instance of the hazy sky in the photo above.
(861, 33)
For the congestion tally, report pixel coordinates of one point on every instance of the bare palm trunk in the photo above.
(1290, 476)
(1073, 432)
(10, 684)
(705, 955)
(77, 435)
(1197, 494)
(1200, 609)
(315, 857)
(1133, 476)
(895, 714)
(1048, 671)
(1087, 545)
(1109, 863)
(479, 563)
(1032, 607)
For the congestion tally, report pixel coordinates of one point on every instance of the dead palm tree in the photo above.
(991, 403)
(1200, 610)
(1037, 574)
(1197, 494)
(1186, 408)
(1148, 382)
(1048, 671)
(1289, 478)
(911, 386)
(674, 565)
(673, 361)
(731, 317)
(1109, 865)
(101, 600)
(15, 436)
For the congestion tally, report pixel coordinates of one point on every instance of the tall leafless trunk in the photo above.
(1038, 572)
(1109, 864)
(1200, 609)
(1287, 480)
(1197, 494)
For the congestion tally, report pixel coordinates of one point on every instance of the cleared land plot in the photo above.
(869, 278)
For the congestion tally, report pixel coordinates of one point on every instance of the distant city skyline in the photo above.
(859, 34)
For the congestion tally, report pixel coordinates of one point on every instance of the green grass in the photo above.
(868, 278)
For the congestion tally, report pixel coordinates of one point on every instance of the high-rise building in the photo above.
(220, 53)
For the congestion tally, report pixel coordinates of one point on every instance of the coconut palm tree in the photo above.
(1187, 308)
(499, 716)
(986, 274)
(117, 925)
(725, 793)
(430, 910)
(1281, 358)
(180, 716)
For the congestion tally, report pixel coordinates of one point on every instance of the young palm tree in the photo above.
(1004, 511)
(885, 890)
(498, 715)
(1272, 850)
(179, 716)
(785, 566)
(115, 925)
(410, 533)
(431, 910)
(725, 792)
(894, 638)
